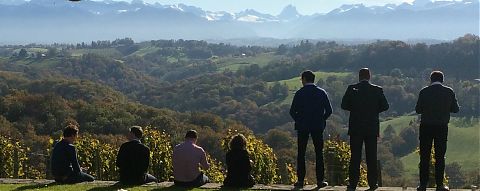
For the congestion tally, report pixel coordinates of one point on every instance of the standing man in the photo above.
(188, 158)
(364, 101)
(435, 103)
(310, 110)
(133, 159)
(65, 167)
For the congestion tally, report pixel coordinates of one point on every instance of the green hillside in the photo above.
(463, 145)
(234, 63)
(398, 123)
(294, 83)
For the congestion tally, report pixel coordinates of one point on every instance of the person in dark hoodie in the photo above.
(133, 159)
(239, 165)
(64, 163)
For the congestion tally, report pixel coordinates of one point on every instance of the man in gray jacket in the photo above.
(435, 103)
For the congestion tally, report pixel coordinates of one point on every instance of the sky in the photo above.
(273, 7)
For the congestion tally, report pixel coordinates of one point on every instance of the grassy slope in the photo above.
(109, 52)
(463, 145)
(234, 64)
(398, 123)
(295, 83)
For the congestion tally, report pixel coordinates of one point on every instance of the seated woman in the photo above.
(238, 164)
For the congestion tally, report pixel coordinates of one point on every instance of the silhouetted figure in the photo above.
(310, 110)
(64, 162)
(133, 159)
(364, 101)
(187, 158)
(238, 164)
(435, 103)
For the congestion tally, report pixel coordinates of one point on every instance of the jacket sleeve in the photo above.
(346, 100)
(454, 108)
(419, 106)
(328, 107)
(145, 160)
(120, 157)
(73, 159)
(294, 107)
(383, 102)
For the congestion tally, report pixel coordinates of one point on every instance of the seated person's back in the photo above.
(238, 164)
(133, 159)
(187, 158)
(64, 163)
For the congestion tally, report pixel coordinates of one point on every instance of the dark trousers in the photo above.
(147, 178)
(438, 135)
(302, 138)
(75, 178)
(199, 181)
(356, 144)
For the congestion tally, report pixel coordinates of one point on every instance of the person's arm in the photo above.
(328, 107)
(72, 155)
(419, 106)
(294, 107)
(146, 160)
(346, 100)
(383, 102)
(120, 157)
(203, 161)
(454, 108)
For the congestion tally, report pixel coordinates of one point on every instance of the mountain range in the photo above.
(47, 21)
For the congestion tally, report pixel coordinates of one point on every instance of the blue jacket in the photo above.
(310, 108)
(64, 160)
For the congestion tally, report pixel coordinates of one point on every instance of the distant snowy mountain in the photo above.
(61, 20)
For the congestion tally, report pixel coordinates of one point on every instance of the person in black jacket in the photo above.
(310, 109)
(238, 164)
(364, 101)
(64, 162)
(133, 159)
(435, 103)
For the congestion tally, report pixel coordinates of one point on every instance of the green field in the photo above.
(234, 63)
(295, 83)
(398, 123)
(146, 50)
(463, 144)
(109, 52)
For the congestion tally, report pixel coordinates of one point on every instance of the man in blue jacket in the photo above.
(65, 167)
(310, 110)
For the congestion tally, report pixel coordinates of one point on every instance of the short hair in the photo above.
(308, 76)
(364, 74)
(137, 131)
(192, 134)
(70, 130)
(436, 76)
(238, 142)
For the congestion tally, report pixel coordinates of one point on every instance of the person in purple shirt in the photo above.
(64, 162)
(187, 160)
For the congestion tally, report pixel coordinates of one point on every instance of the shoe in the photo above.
(322, 184)
(442, 188)
(298, 185)
(372, 188)
(421, 188)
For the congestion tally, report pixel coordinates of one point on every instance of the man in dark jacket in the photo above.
(310, 110)
(64, 162)
(133, 159)
(435, 103)
(364, 101)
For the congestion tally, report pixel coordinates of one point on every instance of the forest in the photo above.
(171, 86)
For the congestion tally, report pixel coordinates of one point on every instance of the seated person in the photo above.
(238, 164)
(187, 158)
(133, 159)
(64, 162)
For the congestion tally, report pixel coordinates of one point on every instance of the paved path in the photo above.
(216, 186)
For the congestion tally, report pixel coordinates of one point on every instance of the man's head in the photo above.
(70, 133)
(364, 74)
(436, 76)
(191, 135)
(135, 133)
(307, 77)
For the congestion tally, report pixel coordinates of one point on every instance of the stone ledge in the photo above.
(216, 186)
